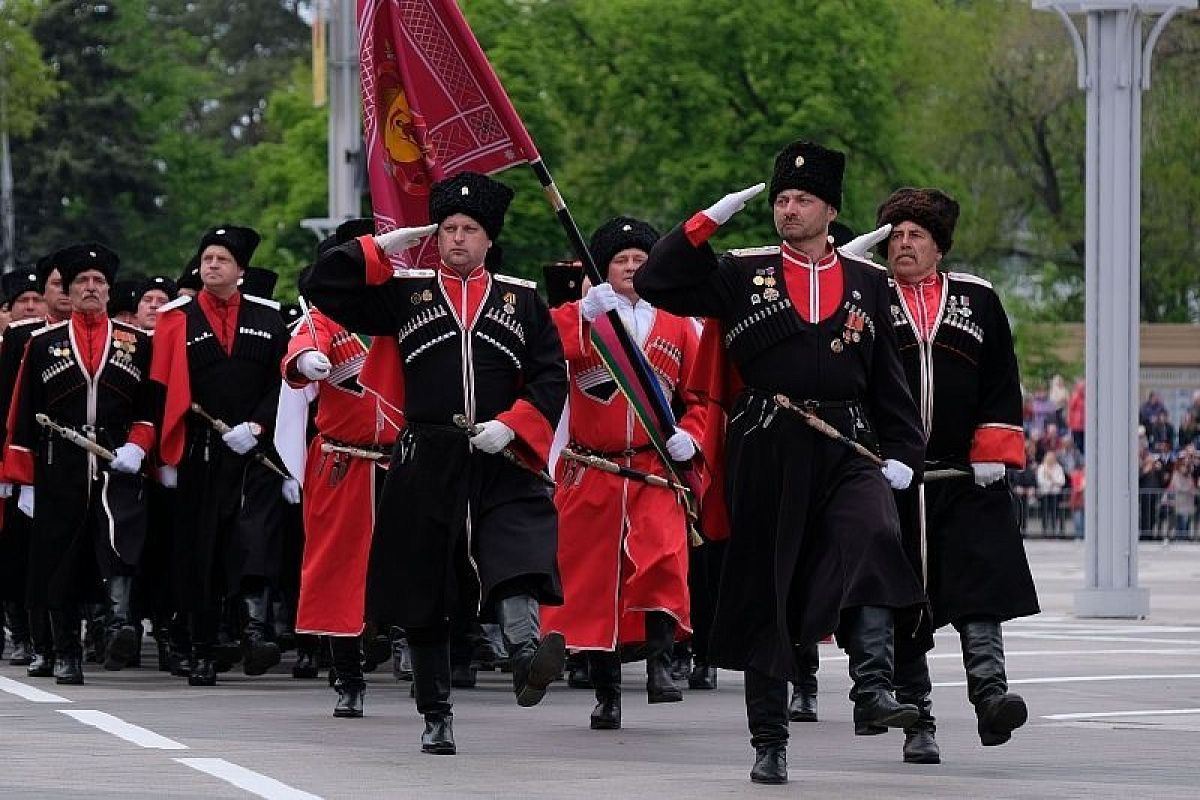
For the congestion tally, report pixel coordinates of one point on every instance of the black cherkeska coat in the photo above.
(89, 523)
(454, 523)
(969, 391)
(815, 529)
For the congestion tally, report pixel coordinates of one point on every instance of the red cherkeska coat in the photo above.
(622, 544)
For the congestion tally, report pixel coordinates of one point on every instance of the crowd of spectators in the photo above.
(1049, 491)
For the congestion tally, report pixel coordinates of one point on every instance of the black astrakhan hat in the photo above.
(123, 297)
(14, 284)
(160, 282)
(932, 209)
(77, 258)
(190, 277)
(258, 282)
(811, 168)
(348, 230)
(43, 268)
(241, 242)
(564, 282)
(478, 196)
(620, 233)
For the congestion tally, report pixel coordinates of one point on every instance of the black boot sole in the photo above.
(545, 666)
(803, 717)
(348, 713)
(904, 718)
(1012, 714)
(439, 749)
(771, 780)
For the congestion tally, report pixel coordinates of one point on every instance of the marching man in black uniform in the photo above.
(219, 354)
(461, 527)
(84, 382)
(815, 542)
(957, 351)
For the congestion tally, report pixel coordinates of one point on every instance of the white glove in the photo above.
(241, 439)
(313, 365)
(168, 476)
(721, 211)
(25, 501)
(680, 446)
(291, 491)
(128, 458)
(860, 246)
(493, 436)
(987, 472)
(401, 239)
(899, 475)
(599, 300)
(6, 490)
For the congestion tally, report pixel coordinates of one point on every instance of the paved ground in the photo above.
(1115, 713)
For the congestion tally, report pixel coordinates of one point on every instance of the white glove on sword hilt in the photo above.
(860, 246)
(721, 211)
(493, 436)
(899, 475)
(401, 239)
(313, 365)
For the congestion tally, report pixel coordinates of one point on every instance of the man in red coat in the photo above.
(623, 546)
(343, 472)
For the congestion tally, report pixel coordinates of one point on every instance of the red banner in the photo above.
(432, 107)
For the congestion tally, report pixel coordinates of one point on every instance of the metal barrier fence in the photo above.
(1163, 515)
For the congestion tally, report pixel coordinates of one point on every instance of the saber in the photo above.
(461, 421)
(604, 465)
(818, 424)
(308, 320)
(75, 437)
(946, 474)
(356, 452)
(222, 428)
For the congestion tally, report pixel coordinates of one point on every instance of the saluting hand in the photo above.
(860, 246)
(721, 211)
(401, 239)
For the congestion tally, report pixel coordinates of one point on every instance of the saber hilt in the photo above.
(75, 437)
(356, 452)
(604, 465)
(821, 426)
(221, 427)
(461, 421)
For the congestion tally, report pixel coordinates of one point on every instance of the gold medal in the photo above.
(510, 299)
(769, 281)
(758, 280)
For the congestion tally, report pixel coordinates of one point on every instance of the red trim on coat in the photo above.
(169, 367)
(699, 228)
(534, 432)
(379, 269)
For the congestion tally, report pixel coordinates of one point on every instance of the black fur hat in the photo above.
(620, 233)
(240, 242)
(18, 282)
(77, 258)
(478, 196)
(809, 167)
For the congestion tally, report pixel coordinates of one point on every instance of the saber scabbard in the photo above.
(604, 465)
(945, 474)
(469, 429)
(221, 427)
(821, 426)
(75, 437)
(355, 452)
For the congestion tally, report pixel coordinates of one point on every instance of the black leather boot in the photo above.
(866, 635)
(202, 666)
(535, 663)
(305, 667)
(998, 713)
(681, 660)
(431, 688)
(181, 645)
(122, 639)
(660, 642)
(703, 676)
(605, 670)
(68, 653)
(18, 626)
(913, 686)
(803, 707)
(346, 657)
(401, 657)
(578, 671)
(258, 653)
(766, 713)
(42, 664)
(462, 648)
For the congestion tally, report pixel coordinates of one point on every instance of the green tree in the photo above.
(26, 81)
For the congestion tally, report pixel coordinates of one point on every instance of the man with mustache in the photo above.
(958, 354)
(89, 374)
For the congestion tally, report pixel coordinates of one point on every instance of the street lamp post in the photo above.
(1113, 67)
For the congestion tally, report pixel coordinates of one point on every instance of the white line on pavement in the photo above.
(1094, 638)
(251, 781)
(1158, 712)
(30, 693)
(125, 730)
(1087, 679)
